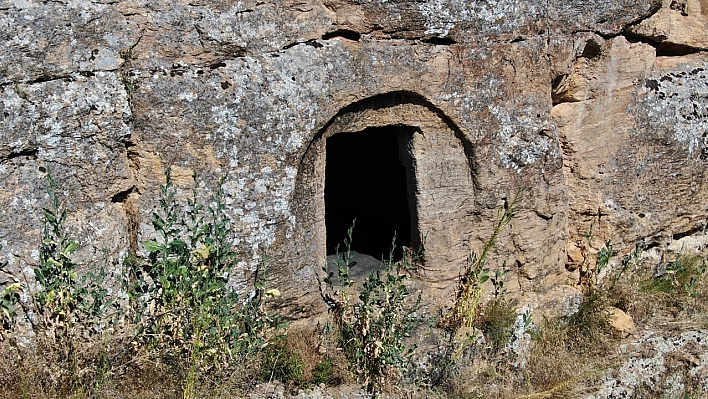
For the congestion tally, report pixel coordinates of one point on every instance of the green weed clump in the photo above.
(70, 314)
(679, 280)
(496, 321)
(371, 324)
(9, 298)
(325, 372)
(476, 333)
(182, 304)
(570, 352)
(280, 362)
(179, 320)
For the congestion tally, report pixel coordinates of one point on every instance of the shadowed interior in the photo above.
(365, 180)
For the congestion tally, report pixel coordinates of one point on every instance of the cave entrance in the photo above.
(366, 178)
(396, 163)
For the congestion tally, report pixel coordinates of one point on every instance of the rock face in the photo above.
(660, 365)
(595, 112)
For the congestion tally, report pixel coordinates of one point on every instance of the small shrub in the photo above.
(306, 356)
(280, 362)
(589, 329)
(496, 320)
(9, 300)
(325, 372)
(65, 301)
(464, 311)
(179, 321)
(181, 302)
(71, 314)
(498, 316)
(468, 317)
(371, 328)
(681, 278)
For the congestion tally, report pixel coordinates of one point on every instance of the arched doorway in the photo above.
(436, 158)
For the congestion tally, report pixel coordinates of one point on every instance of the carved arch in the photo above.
(438, 158)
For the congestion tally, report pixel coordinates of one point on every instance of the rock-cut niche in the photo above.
(396, 163)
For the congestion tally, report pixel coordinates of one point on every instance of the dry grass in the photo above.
(563, 361)
(322, 362)
(111, 368)
(567, 355)
(570, 354)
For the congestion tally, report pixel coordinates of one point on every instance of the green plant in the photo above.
(464, 310)
(179, 320)
(65, 300)
(372, 329)
(603, 257)
(324, 372)
(68, 309)
(677, 281)
(56, 272)
(281, 363)
(9, 299)
(8, 305)
(496, 320)
(179, 294)
(498, 280)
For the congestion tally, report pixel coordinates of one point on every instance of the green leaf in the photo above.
(49, 215)
(153, 246)
(157, 222)
(70, 249)
(178, 245)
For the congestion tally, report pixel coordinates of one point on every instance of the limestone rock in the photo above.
(625, 121)
(679, 26)
(485, 99)
(621, 321)
(660, 365)
(365, 265)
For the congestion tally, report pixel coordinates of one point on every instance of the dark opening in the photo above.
(365, 180)
(344, 33)
(440, 41)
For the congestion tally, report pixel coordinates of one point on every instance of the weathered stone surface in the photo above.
(544, 97)
(48, 40)
(679, 26)
(631, 126)
(660, 365)
(621, 321)
(75, 126)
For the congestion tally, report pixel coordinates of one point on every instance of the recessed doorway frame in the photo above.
(446, 227)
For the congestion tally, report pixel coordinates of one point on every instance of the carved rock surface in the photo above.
(557, 100)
